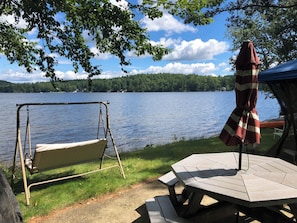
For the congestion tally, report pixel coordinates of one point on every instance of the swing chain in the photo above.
(100, 120)
(27, 140)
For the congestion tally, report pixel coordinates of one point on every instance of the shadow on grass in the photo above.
(18, 186)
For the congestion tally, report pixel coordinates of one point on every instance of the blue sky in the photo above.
(202, 50)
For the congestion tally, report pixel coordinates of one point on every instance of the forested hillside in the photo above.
(132, 83)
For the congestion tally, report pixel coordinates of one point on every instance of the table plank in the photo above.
(260, 189)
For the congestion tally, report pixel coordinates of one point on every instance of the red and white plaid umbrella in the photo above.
(243, 125)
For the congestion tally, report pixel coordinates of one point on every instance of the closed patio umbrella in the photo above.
(243, 125)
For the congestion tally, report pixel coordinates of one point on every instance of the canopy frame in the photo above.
(279, 149)
(282, 80)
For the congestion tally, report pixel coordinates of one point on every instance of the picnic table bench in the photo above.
(160, 209)
(264, 190)
(171, 208)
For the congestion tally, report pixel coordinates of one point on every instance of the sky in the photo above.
(201, 50)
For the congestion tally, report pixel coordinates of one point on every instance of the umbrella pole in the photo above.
(240, 154)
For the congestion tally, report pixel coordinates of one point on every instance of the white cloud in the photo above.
(64, 62)
(120, 3)
(189, 50)
(227, 70)
(110, 74)
(273, 64)
(179, 68)
(197, 50)
(71, 75)
(223, 64)
(225, 67)
(167, 42)
(10, 20)
(100, 56)
(19, 75)
(166, 23)
(33, 32)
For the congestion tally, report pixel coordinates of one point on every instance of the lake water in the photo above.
(137, 119)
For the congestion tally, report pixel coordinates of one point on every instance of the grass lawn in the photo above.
(140, 165)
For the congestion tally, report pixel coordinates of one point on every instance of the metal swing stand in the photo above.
(52, 156)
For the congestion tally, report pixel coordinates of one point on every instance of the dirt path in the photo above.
(125, 206)
(122, 207)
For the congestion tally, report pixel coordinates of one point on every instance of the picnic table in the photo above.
(264, 187)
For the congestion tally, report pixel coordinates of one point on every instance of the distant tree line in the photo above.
(131, 83)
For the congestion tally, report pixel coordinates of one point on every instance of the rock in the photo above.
(10, 211)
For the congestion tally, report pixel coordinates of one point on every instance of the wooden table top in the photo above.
(262, 181)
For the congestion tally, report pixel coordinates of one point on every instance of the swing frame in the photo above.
(77, 148)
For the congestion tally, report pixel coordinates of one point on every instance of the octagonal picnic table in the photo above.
(264, 183)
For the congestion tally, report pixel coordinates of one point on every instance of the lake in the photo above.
(137, 119)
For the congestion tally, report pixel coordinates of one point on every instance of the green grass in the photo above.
(139, 166)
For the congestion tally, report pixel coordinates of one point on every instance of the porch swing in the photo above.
(57, 155)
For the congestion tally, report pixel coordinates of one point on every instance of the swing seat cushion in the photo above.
(51, 156)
